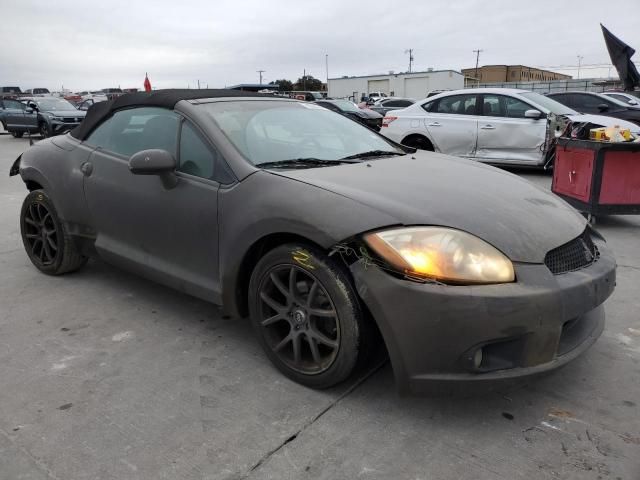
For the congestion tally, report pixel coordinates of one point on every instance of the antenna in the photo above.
(410, 52)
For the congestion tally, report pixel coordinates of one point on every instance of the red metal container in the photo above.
(598, 178)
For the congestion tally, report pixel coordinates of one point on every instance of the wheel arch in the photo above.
(420, 136)
(235, 295)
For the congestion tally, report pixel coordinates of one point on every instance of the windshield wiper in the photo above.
(373, 153)
(302, 163)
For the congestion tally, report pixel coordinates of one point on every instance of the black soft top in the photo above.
(157, 98)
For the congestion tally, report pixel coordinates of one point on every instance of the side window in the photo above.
(397, 103)
(456, 104)
(502, 106)
(13, 104)
(135, 129)
(196, 158)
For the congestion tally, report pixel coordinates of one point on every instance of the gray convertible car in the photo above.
(322, 232)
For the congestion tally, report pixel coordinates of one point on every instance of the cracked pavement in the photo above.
(104, 375)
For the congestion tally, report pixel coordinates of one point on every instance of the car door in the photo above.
(452, 124)
(167, 234)
(14, 114)
(505, 135)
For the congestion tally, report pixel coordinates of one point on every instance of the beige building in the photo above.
(510, 73)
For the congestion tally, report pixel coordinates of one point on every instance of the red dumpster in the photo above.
(598, 178)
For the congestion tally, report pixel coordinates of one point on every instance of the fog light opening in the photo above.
(477, 358)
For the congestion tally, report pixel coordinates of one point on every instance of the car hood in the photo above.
(512, 214)
(604, 121)
(65, 113)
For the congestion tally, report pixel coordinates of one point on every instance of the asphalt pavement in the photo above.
(104, 375)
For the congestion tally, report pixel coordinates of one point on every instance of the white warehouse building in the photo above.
(412, 85)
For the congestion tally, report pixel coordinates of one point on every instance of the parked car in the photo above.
(385, 105)
(86, 104)
(44, 115)
(112, 93)
(37, 91)
(433, 93)
(590, 102)
(350, 110)
(376, 96)
(11, 92)
(624, 97)
(10, 107)
(320, 229)
(494, 125)
(308, 96)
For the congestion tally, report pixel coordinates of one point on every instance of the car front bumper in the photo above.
(58, 127)
(536, 324)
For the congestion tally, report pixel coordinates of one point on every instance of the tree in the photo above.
(283, 85)
(308, 83)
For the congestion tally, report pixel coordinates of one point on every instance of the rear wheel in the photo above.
(419, 142)
(17, 134)
(307, 315)
(46, 241)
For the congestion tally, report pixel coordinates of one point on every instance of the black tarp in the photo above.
(621, 54)
(157, 98)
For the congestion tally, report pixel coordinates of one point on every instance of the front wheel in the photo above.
(17, 134)
(307, 315)
(45, 238)
(43, 128)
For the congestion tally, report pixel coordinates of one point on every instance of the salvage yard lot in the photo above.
(104, 375)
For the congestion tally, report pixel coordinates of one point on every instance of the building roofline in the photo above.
(395, 74)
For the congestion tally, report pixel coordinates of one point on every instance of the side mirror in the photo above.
(32, 106)
(535, 114)
(28, 110)
(632, 102)
(155, 162)
(603, 107)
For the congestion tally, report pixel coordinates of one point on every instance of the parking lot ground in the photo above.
(104, 375)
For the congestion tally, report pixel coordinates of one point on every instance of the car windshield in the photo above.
(346, 105)
(279, 131)
(616, 100)
(549, 104)
(52, 104)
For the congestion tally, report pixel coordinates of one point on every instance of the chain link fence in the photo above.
(554, 86)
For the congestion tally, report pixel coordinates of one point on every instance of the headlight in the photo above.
(443, 254)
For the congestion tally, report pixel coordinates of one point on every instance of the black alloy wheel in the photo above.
(307, 315)
(44, 130)
(41, 234)
(299, 320)
(46, 240)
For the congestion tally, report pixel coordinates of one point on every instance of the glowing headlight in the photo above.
(444, 254)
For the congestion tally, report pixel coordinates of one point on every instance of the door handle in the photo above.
(434, 124)
(86, 168)
(488, 127)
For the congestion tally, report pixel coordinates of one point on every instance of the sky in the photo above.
(85, 45)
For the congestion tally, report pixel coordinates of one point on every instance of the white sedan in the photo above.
(493, 125)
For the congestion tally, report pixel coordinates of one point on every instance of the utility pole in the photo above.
(580, 57)
(477, 52)
(260, 72)
(326, 66)
(410, 52)
(198, 84)
(304, 80)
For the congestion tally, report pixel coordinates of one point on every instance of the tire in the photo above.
(330, 331)
(43, 130)
(17, 134)
(45, 238)
(419, 142)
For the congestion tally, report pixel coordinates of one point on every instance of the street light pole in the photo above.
(260, 72)
(326, 66)
(410, 52)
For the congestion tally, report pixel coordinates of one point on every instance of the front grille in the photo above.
(574, 255)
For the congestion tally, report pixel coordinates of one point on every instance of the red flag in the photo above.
(147, 83)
